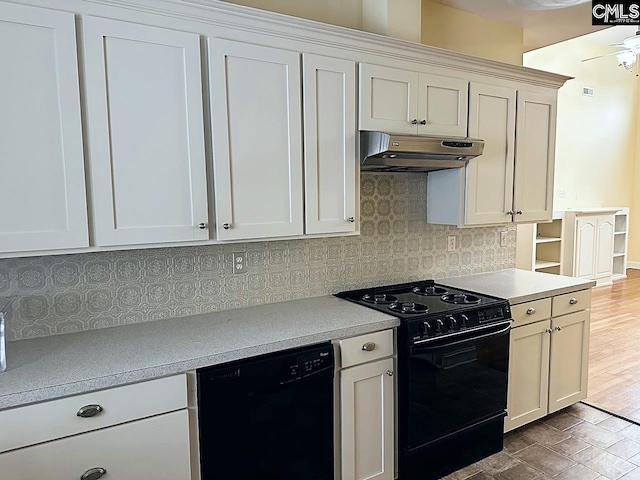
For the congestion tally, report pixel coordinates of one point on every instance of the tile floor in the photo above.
(577, 443)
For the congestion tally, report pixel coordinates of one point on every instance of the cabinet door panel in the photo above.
(388, 99)
(528, 374)
(156, 448)
(256, 113)
(443, 103)
(569, 360)
(330, 160)
(604, 247)
(492, 113)
(42, 181)
(586, 238)
(535, 157)
(146, 133)
(367, 406)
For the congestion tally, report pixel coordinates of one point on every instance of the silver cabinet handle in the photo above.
(414, 121)
(89, 411)
(558, 328)
(510, 212)
(531, 311)
(390, 373)
(519, 212)
(351, 219)
(548, 330)
(94, 474)
(226, 226)
(423, 122)
(369, 347)
(202, 226)
(573, 301)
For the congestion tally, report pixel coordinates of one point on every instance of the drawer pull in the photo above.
(558, 328)
(93, 474)
(390, 373)
(548, 330)
(573, 301)
(531, 311)
(369, 347)
(89, 411)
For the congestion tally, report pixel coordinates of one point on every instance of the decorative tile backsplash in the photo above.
(68, 293)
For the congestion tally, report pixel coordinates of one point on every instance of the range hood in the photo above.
(384, 152)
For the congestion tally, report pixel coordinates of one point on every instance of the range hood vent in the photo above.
(384, 152)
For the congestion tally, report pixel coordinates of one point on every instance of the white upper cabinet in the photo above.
(535, 157)
(492, 115)
(401, 101)
(42, 182)
(257, 137)
(442, 106)
(330, 160)
(388, 99)
(146, 133)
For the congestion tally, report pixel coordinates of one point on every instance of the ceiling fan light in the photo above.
(545, 4)
(627, 59)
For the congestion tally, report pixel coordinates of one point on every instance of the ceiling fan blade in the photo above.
(617, 45)
(607, 55)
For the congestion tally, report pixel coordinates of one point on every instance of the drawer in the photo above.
(365, 348)
(155, 448)
(530, 312)
(54, 419)
(571, 302)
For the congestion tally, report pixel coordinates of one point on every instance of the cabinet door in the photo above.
(367, 406)
(535, 157)
(489, 192)
(604, 247)
(146, 134)
(569, 360)
(528, 374)
(330, 161)
(586, 240)
(256, 120)
(443, 103)
(156, 448)
(388, 99)
(42, 182)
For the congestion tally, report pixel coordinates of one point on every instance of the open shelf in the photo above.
(553, 270)
(620, 233)
(540, 264)
(541, 239)
(619, 254)
(621, 221)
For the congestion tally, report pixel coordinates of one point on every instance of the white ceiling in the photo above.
(614, 34)
(541, 27)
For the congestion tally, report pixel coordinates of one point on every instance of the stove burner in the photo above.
(413, 308)
(460, 298)
(430, 291)
(379, 298)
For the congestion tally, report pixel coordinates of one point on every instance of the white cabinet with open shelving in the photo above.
(542, 245)
(620, 243)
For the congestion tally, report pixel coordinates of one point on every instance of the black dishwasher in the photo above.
(268, 417)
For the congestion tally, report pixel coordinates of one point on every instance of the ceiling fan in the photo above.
(628, 56)
(545, 4)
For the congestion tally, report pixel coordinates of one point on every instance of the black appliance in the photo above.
(268, 417)
(453, 356)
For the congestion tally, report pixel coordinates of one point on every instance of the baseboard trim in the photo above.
(634, 265)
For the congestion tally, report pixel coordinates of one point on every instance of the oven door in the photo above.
(457, 382)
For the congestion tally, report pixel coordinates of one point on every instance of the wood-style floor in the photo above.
(614, 370)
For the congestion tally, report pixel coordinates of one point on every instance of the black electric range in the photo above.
(453, 356)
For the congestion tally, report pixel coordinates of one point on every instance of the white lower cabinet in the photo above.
(156, 448)
(367, 406)
(549, 358)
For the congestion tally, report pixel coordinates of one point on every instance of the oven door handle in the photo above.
(431, 344)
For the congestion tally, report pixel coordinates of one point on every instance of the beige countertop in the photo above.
(518, 286)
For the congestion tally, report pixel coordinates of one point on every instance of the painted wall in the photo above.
(465, 32)
(596, 136)
(69, 293)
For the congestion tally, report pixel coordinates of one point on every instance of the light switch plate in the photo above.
(239, 262)
(451, 243)
(503, 239)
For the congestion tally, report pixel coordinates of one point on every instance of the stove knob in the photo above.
(439, 325)
(452, 323)
(464, 321)
(428, 329)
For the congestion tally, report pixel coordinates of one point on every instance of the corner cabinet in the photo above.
(549, 356)
(401, 101)
(41, 159)
(512, 181)
(145, 132)
(257, 136)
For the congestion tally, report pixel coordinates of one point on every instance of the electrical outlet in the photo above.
(563, 193)
(503, 239)
(451, 243)
(239, 260)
